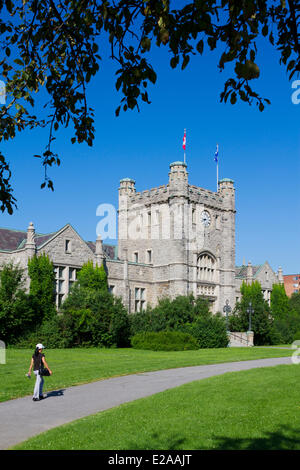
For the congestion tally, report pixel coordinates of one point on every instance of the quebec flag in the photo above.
(217, 153)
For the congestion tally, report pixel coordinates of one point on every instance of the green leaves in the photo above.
(7, 200)
(248, 70)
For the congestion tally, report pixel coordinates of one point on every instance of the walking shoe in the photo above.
(41, 397)
(36, 399)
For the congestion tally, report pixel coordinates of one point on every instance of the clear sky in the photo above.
(259, 151)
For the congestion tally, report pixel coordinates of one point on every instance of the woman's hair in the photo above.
(36, 352)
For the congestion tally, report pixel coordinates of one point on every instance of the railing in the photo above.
(239, 338)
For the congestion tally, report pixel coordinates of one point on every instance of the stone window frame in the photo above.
(149, 256)
(63, 282)
(140, 298)
(111, 289)
(207, 273)
(68, 246)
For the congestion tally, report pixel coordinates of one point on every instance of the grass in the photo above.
(77, 366)
(257, 409)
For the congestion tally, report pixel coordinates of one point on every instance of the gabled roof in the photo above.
(241, 271)
(11, 240)
(110, 251)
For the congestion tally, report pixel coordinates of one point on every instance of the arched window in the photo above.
(206, 267)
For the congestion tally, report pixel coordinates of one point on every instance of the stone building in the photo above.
(173, 240)
(262, 273)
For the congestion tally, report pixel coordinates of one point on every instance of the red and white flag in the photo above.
(184, 140)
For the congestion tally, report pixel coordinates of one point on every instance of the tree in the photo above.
(286, 316)
(18, 313)
(54, 45)
(280, 305)
(91, 314)
(295, 302)
(261, 322)
(42, 284)
(170, 314)
(92, 277)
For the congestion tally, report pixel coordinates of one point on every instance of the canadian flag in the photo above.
(184, 140)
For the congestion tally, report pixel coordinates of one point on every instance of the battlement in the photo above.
(150, 196)
(205, 196)
(178, 186)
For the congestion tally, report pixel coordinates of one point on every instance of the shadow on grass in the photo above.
(155, 441)
(286, 438)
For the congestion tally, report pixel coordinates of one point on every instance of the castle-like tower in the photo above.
(186, 233)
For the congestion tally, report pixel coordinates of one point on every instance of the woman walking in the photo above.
(38, 358)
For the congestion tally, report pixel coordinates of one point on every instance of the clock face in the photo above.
(205, 218)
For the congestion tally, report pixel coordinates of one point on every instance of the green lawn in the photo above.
(77, 366)
(255, 409)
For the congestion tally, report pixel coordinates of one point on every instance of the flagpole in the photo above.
(217, 162)
(183, 145)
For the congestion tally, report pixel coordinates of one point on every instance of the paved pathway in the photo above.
(22, 418)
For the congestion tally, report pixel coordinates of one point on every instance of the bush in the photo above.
(18, 310)
(209, 331)
(169, 314)
(164, 341)
(51, 333)
(285, 329)
(296, 336)
(95, 318)
(261, 317)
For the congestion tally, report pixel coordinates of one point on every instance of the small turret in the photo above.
(99, 251)
(127, 187)
(178, 173)
(226, 189)
(249, 273)
(226, 184)
(178, 179)
(280, 275)
(30, 245)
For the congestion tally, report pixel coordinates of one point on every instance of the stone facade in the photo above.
(173, 240)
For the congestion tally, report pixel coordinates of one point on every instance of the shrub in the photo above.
(93, 277)
(50, 333)
(296, 336)
(164, 341)
(18, 310)
(209, 331)
(95, 318)
(169, 314)
(284, 329)
(261, 317)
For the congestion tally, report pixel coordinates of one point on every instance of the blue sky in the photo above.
(259, 151)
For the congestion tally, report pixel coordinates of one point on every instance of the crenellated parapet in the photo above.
(205, 197)
(151, 196)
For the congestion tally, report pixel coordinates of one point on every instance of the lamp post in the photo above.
(227, 309)
(250, 310)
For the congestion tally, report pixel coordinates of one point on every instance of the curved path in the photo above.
(22, 418)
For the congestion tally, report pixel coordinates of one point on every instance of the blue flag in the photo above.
(217, 154)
